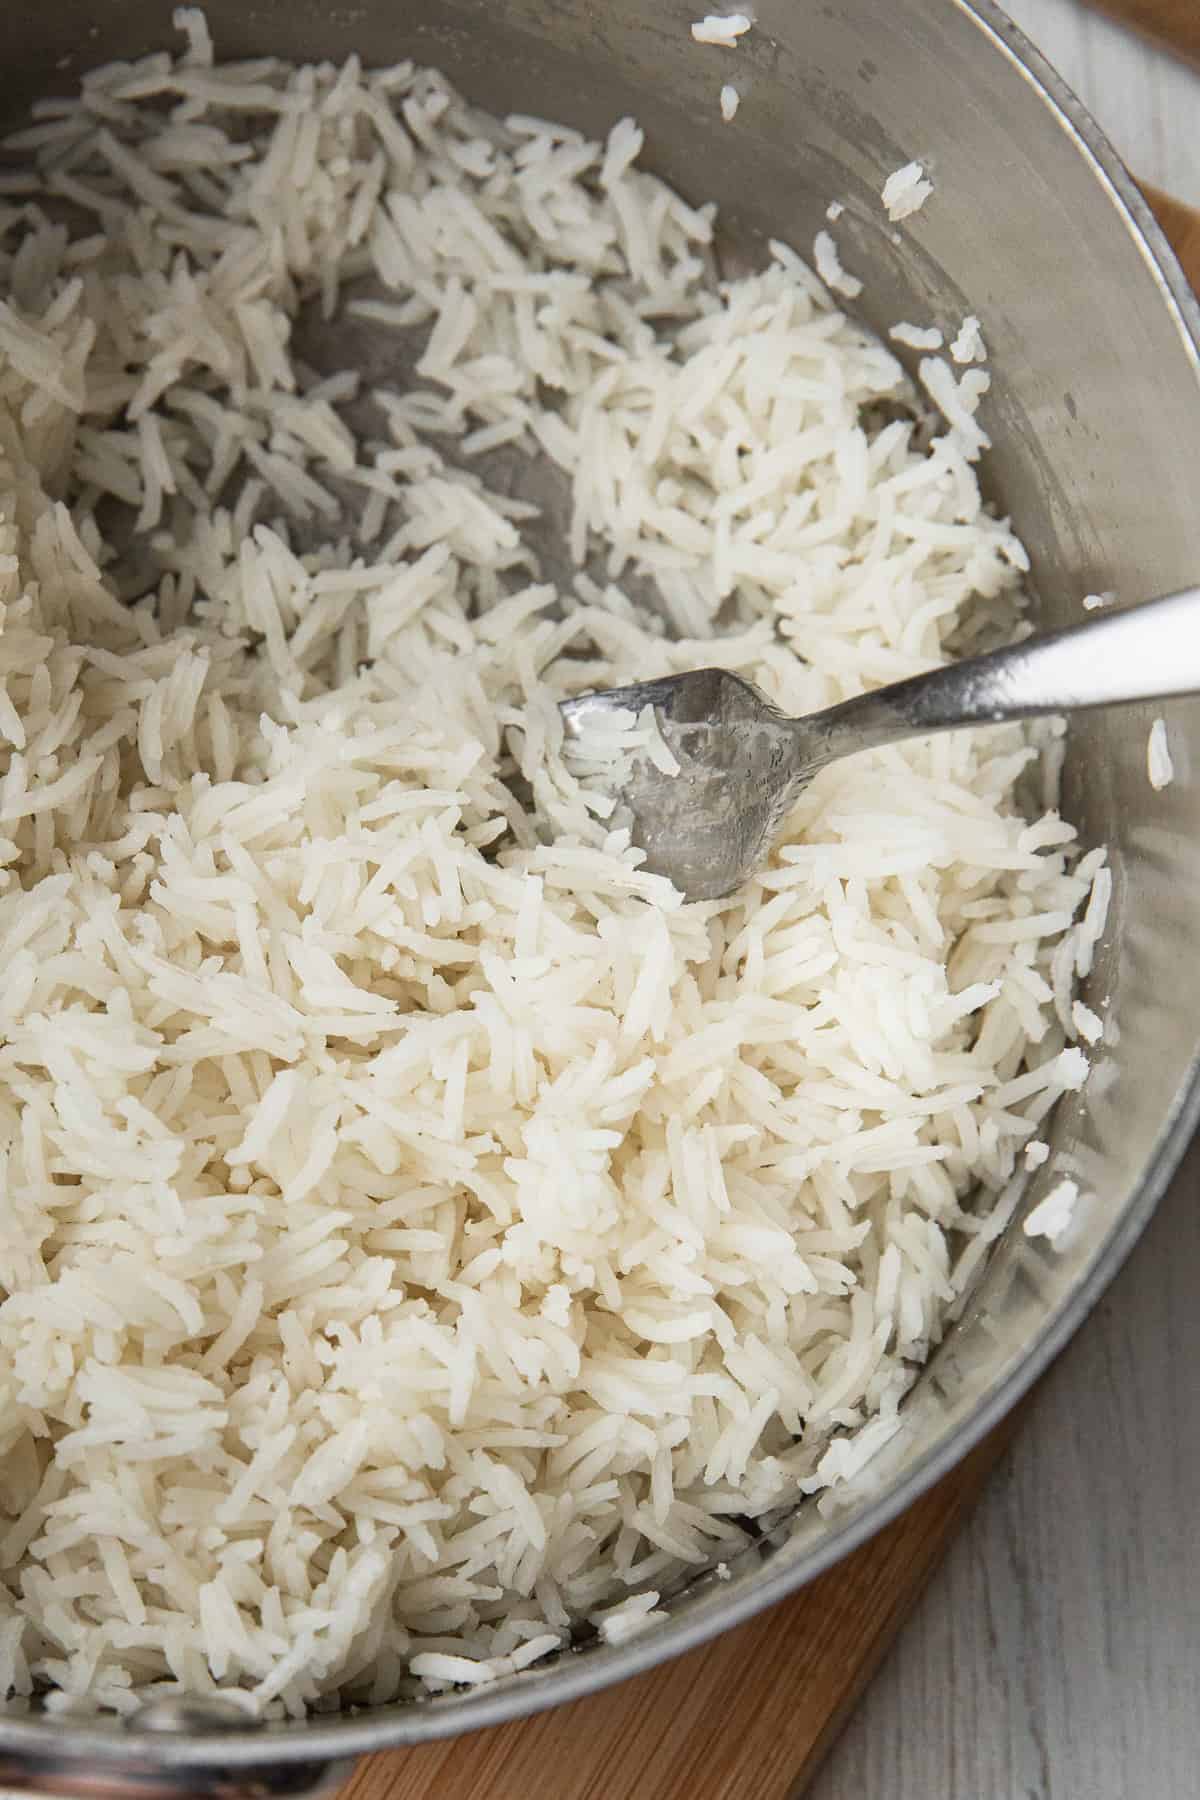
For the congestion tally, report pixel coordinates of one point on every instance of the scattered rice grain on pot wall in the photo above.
(421, 1230)
(905, 191)
(1160, 766)
(721, 28)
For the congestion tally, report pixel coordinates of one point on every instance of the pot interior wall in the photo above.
(1095, 413)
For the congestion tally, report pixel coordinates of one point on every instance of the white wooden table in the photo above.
(1057, 1654)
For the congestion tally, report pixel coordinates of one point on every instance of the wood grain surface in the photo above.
(1145, 99)
(1056, 1653)
(751, 1716)
(1181, 224)
(1175, 24)
(744, 1718)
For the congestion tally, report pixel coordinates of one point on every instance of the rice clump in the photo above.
(905, 191)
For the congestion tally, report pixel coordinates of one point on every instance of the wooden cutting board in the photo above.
(1175, 24)
(749, 1716)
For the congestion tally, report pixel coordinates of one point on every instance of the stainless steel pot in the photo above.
(1096, 418)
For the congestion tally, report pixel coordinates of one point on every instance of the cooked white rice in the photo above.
(1160, 766)
(968, 346)
(916, 337)
(423, 1234)
(612, 744)
(828, 265)
(721, 28)
(905, 191)
(730, 99)
(1051, 1218)
(1088, 1024)
(957, 399)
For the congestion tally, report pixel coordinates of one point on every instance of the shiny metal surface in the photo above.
(137, 1775)
(205, 1713)
(743, 764)
(1095, 415)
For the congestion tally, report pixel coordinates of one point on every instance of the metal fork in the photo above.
(743, 763)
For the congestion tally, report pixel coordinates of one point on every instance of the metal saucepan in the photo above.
(1095, 413)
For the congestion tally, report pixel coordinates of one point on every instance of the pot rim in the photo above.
(312, 1740)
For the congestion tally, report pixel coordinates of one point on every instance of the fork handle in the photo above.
(1146, 652)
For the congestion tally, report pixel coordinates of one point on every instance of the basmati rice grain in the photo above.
(1159, 765)
(721, 28)
(905, 191)
(829, 267)
(1087, 1023)
(917, 337)
(969, 346)
(1052, 1216)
